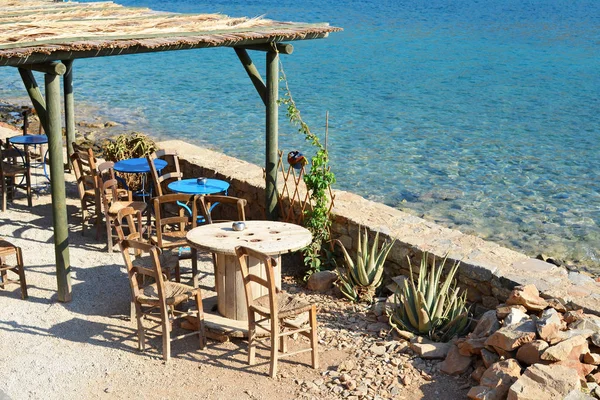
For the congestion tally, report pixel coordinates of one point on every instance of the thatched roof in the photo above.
(34, 31)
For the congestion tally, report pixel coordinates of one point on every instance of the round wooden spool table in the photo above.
(270, 237)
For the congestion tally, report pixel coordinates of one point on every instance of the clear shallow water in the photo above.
(477, 115)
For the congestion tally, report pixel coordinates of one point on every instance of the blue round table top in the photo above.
(191, 186)
(29, 139)
(138, 165)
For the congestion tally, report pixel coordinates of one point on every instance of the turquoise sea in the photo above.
(479, 115)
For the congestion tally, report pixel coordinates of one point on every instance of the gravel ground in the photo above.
(88, 348)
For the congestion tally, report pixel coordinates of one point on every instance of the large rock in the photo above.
(578, 395)
(496, 381)
(589, 322)
(595, 338)
(583, 370)
(527, 296)
(489, 357)
(530, 353)
(504, 310)
(591, 358)
(513, 336)
(573, 349)
(544, 382)
(515, 316)
(431, 350)
(321, 281)
(471, 346)
(487, 324)
(455, 363)
(549, 325)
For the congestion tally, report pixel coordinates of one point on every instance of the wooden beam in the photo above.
(35, 95)
(54, 67)
(69, 108)
(282, 48)
(40, 57)
(252, 73)
(272, 131)
(57, 187)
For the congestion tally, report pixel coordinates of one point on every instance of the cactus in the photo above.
(359, 279)
(435, 309)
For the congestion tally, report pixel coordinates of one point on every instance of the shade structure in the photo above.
(47, 36)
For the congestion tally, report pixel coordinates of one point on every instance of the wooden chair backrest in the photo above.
(84, 166)
(180, 222)
(207, 202)
(268, 262)
(109, 193)
(136, 272)
(134, 224)
(170, 173)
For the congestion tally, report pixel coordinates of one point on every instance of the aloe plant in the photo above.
(430, 307)
(361, 277)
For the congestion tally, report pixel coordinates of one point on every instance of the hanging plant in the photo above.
(318, 180)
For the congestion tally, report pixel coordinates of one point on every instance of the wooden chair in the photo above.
(11, 167)
(170, 230)
(162, 296)
(277, 307)
(208, 203)
(136, 230)
(84, 165)
(111, 205)
(169, 174)
(6, 250)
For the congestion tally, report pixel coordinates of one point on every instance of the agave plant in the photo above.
(430, 307)
(359, 279)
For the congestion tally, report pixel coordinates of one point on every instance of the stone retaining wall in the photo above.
(487, 270)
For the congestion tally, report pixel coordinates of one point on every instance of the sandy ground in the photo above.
(88, 348)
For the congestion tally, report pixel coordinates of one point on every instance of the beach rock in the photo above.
(489, 357)
(595, 377)
(514, 317)
(455, 363)
(321, 281)
(487, 324)
(513, 336)
(530, 353)
(431, 350)
(595, 339)
(549, 325)
(557, 305)
(503, 311)
(471, 346)
(528, 296)
(588, 322)
(578, 395)
(496, 381)
(572, 316)
(583, 370)
(478, 373)
(573, 348)
(544, 382)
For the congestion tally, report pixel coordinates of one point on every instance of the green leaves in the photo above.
(430, 308)
(361, 277)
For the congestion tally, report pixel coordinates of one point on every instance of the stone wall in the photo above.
(487, 270)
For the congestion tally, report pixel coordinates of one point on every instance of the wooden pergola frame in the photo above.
(54, 56)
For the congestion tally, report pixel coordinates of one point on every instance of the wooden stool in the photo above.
(7, 249)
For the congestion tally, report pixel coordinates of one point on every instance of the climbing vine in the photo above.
(318, 180)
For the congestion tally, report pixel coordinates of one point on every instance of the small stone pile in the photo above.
(529, 349)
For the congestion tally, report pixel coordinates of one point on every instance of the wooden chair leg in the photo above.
(28, 187)
(194, 252)
(109, 240)
(3, 279)
(283, 343)
(21, 271)
(200, 318)
(4, 195)
(166, 333)
(140, 326)
(274, 346)
(313, 336)
(251, 337)
(83, 218)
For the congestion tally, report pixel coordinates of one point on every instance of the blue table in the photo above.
(27, 140)
(139, 166)
(191, 186)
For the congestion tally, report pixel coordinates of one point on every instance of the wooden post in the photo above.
(272, 130)
(252, 73)
(35, 95)
(57, 185)
(69, 108)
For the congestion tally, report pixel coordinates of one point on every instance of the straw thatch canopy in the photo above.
(42, 30)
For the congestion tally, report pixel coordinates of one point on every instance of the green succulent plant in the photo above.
(430, 307)
(128, 145)
(359, 279)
